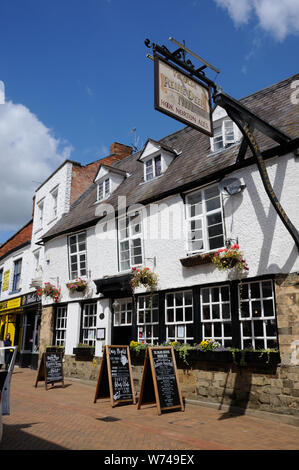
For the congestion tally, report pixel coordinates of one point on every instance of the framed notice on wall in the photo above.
(182, 97)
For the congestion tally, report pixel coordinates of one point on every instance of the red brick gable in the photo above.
(17, 240)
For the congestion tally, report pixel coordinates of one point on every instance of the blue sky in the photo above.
(77, 78)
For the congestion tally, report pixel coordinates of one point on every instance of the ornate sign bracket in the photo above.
(246, 121)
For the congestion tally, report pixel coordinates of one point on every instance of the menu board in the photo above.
(159, 380)
(50, 369)
(166, 378)
(115, 376)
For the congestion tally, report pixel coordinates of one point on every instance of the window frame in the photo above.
(151, 307)
(130, 240)
(78, 253)
(16, 280)
(60, 319)
(153, 161)
(40, 214)
(105, 193)
(125, 310)
(226, 142)
(93, 327)
(203, 217)
(179, 323)
(222, 338)
(1, 279)
(54, 200)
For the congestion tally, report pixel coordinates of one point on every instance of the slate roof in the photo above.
(195, 164)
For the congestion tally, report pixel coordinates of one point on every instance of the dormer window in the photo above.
(152, 168)
(104, 189)
(224, 135)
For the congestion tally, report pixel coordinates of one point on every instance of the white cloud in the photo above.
(280, 18)
(29, 153)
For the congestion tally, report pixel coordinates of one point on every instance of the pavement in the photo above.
(68, 419)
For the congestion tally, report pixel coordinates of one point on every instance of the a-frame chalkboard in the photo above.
(115, 376)
(159, 382)
(50, 369)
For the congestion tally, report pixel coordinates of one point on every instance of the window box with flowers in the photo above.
(78, 285)
(229, 258)
(83, 352)
(49, 290)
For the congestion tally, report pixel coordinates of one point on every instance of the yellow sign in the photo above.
(10, 304)
(5, 281)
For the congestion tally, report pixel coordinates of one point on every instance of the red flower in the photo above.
(134, 269)
(147, 269)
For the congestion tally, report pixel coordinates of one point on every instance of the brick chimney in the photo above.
(120, 150)
(83, 176)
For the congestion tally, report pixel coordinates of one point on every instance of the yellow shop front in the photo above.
(11, 320)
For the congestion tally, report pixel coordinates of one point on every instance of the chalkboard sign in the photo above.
(50, 369)
(159, 380)
(115, 376)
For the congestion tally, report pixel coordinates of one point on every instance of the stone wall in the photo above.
(287, 311)
(267, 388)
(46, 328)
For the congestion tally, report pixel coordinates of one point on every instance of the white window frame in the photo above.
(227, 136)
(54, 195)
(148, 319)
(126, 234)
(104, 189)
(60, 325)
(89, 323)
(180, 326)
(252, 318)
(153, 172)
(202, 219)
(16, 286)
(123, 313)
(81, 271)
(214, 307)
(1, 278)
(40, 215)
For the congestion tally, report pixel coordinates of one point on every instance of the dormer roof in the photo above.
(104, 170)
(152, 147)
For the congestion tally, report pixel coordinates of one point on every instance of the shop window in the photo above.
(130, 241)
(204, 220)
(60, 326)
(16, 283)
(89, 322)
(179, 317)
(216, 314)
(77, 255)
(257, 315)
(123, 312)
(148, 319)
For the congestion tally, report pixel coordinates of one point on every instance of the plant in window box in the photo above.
(78, 285)
(144, 277)
(84, 351)
(229, 258)
(49, 291)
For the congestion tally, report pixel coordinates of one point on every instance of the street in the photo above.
(68, 419)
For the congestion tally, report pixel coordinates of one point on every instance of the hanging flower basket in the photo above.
(49, 291)
(144, 277)
(229, 258)
(78, 285)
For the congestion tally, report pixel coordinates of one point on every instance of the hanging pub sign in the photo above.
(159, 381)
(50, 369)
(182, 97)
(115, 376)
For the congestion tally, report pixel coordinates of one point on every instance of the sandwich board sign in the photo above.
(159, 382)
(50, 369)
(115, 378)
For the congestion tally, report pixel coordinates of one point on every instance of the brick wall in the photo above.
(83, 176)
(21, 237)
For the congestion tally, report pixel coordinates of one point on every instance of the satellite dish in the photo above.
(230, 186)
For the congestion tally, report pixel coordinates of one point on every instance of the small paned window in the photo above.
(179, 316)
(123, 313)
(54, 195)
(205, 220)
(77, 255)
(224, 135)
(104, 189)
(130, 241)
(148, 319)
(16, 284)
(257, 315)
(60, 326)
(89, 323)
(216, 314)
(152, 168)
